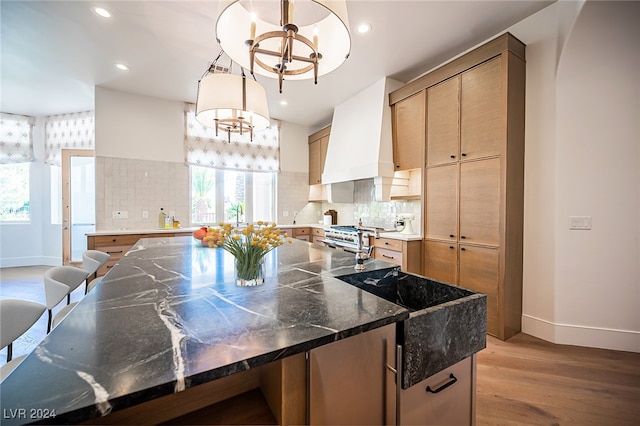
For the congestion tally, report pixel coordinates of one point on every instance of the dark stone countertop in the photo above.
(169, 316)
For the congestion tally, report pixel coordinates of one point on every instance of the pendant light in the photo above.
(285, 39)
(231, 103)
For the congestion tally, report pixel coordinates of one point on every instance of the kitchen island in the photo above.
(168, 319)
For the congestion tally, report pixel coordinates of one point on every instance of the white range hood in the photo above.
(360, 145)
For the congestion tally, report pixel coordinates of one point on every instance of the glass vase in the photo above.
(249, 273)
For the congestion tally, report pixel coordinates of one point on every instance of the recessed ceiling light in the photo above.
(364, 28)
(123, 67)
(102, 12)
(284, 103)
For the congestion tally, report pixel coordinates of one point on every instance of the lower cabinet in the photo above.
(470, 266)
(301, 234)
(446, 398)
(406, 254)
(349, 381)
(317, 235)
(441, 261)
(479, 271)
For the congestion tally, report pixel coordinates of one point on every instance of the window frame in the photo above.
(219, 207)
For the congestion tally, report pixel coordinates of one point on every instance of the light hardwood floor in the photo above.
(528, 381)
(523, 381)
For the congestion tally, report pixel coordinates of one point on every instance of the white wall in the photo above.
(294, 148)
(138, 127)
(582, 156)
(37, 242)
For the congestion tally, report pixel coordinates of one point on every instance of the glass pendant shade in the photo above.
(255, 33)
(232, 103)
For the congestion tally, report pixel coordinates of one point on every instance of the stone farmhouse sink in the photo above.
(446, 323)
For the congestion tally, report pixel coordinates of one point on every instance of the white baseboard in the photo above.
(578, 335)
(14, 262)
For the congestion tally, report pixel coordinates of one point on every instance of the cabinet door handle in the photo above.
(462, 237)
(113, 252)
(464, 154)
(463, 249)
(452, 380)
(386, 243)
(452, 247)
(388, 257)
(451, 235)
(452, 156)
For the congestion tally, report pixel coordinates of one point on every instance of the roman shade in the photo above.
(203, 148)
(16, 138)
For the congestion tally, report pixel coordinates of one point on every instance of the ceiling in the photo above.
(55, 52)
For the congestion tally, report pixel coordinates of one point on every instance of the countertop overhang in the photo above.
(169, 316)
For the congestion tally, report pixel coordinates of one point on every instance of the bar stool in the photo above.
(16, 317)
(59, 282)
(92, 260)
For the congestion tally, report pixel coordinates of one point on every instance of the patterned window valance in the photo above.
(68, 131)
(203, 148)
(16, 138)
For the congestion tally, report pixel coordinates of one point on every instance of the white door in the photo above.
(78, 202)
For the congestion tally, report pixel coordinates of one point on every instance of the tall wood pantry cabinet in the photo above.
(474, 176)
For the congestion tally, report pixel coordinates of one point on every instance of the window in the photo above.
(14, 197)
(231, 196)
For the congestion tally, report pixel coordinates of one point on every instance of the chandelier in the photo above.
(257, 33)
(231, 103)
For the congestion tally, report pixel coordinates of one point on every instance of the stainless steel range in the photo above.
(346, 238)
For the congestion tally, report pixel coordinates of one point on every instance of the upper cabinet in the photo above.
(481, 111)
(318, 143)
(409, 132)
(443, 122)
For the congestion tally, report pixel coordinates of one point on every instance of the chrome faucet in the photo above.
(238, 213)
(363, 254)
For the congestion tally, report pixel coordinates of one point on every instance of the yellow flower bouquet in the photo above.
(249, 246)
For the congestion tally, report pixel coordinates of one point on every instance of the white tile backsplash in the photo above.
(140, 185)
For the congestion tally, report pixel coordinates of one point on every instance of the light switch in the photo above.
(580, 222)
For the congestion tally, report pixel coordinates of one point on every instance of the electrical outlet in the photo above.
(145, 214)
(285, 214)
(120, 214)
(580, 222)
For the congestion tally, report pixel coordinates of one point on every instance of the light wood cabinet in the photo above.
(443, 122)
(409, 132)
(303, 234)
(446, 398)
(474, 175)
(347, 387)
(441, 221)
(481, 110)
(479, 270)
(441, 261)
(317, 235)
(318, 143)
(480, 201)
(117, 244)
(406, 254)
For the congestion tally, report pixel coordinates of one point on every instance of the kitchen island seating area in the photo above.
(16, 317)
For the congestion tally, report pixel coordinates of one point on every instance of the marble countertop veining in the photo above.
(169, 316)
